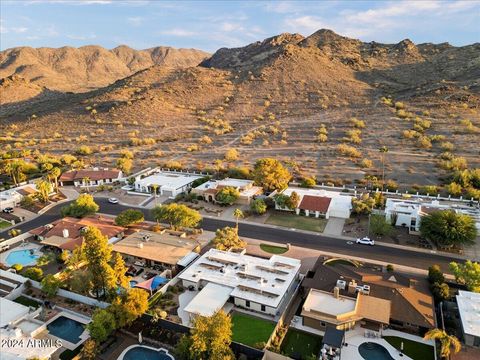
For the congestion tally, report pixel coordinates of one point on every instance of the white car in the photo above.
(113, 200)
(365, 241)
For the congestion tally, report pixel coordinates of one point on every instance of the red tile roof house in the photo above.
(90, 177)
(67, 233)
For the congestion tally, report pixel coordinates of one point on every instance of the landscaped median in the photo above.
(250, 330)
(297, 221)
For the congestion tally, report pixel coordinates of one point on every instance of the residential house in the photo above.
(469, 308)
(319, 203)
(67, 233)
(208, 190)
(90, 177)
(165, 183)
(251, 283)
(412, 306)
(13, 197)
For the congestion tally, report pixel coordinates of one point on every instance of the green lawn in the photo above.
(272, 249)
(297, 221)
(301, 343)
(413, 349)
(4, 224)
(27, 302)
(250, 330)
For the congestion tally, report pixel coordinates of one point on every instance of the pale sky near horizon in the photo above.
(210, 25)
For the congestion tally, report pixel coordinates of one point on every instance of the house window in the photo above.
(263, 307)
(322, 324)
(247, 303)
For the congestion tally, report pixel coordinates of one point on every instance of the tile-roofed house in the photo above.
(315, 203)
(66, 233)
(412, 303)
(247, 189)
(90, 177)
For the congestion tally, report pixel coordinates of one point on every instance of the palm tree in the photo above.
(448, 343)
(238, 214)
(383, 150)
(86, 181)
(154, 188)
(55, 172)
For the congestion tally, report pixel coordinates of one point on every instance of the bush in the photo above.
(366, 163)
(379, 225)
(389, 267)
(84, 150)
(347, 150)
(308, 182)
(34, 273)
(435, 275)
(17, 267)
(258, 206)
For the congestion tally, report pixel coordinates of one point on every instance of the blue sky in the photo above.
(209, 25)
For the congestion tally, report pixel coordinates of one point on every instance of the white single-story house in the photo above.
(167, 183)
(469, 308)
(251, 283)
(90, 177)
(320, 203)
(408, 212)
(13, 197)
(246, 188)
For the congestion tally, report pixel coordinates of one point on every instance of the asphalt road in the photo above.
(318, 242)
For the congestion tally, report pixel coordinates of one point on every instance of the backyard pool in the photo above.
(374, 351)
(139, 352)
(22, 257)
(66, 329)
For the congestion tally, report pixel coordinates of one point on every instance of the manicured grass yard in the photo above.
(4, 224)
(27, 302)
(272, 249)
(250, 330)
(413, 349)
(297, 221)
(301, 343)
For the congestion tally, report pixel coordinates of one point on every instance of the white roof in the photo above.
(236, 183)
(11, 311)
(263, 281)
(209, 300)
(187, 259)
(469, 309)
(167, 180)
(327, 303)
(25, 348)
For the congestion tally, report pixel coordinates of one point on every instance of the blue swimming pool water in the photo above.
(374, 351)
(133, 283)
(66, 329)
(22, 257)
(143, 353)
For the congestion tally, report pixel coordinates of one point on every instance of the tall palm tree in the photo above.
(238, 214)
(54, 173)
(448, 343)
(383, 150)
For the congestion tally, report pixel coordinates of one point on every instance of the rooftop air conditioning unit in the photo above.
(140, 245)
(65, 233)
(366, 289)
(341, 284)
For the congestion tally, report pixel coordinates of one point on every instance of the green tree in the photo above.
(77, 258)
(54, 174)
(258, 206)
(33, 273)
(227, 195)
(43, 189)
(271, 174)
(129, 217)
(85, 205)
(308, 182)
(102, 325)
(50, 285)
(227, 238)
(80, 282)
(177, 215)
(435, 275)
(440, 291)
(98, 253)
(468, 274)
(379, 225)
(63, 256)
(129, 306)
(211, 337)
(449, 343)
(447, 228)
(119, 270)
(125, 165)
(89, 350)
(363, 205)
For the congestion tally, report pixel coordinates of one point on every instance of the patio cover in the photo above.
(152, 283)
(209, 300)
(333, 337)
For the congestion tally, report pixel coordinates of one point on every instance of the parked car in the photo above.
(8, 210)
(113, 200)
(365, 241)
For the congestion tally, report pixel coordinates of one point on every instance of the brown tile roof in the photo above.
(93, 175)
(315, 203)
(411, 299)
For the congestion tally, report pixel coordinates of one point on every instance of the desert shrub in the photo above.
(391, 185)
(347, 150)
(84, 150)
(401, 114)
(359, 124)
(366, 163)
(399, 105)
(447, 146)
(322, 138)
(308, 182)
(456, 163)
(430, 189)
(193, 147)
(231, 155)
(206, 140)
(454, 189)
(424, 142)
(409, 134)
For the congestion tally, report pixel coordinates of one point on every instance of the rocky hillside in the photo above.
(89, 67)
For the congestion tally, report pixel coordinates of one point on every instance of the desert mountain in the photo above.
(89, 67)
(273, 98)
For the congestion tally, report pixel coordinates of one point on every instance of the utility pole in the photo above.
(383, 150)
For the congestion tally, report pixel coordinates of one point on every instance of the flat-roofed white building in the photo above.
(246, 188)
(168, 183)
(320, 203)
(256, 284)
(469, 309)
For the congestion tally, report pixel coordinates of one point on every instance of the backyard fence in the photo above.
(16, 239)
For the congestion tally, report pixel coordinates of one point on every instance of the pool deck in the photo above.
(26, 246)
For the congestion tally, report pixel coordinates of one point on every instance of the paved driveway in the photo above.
(334, 226)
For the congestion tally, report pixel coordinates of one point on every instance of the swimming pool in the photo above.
(374, 351)
(66, 329)
(22, 257)
(140, 352)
